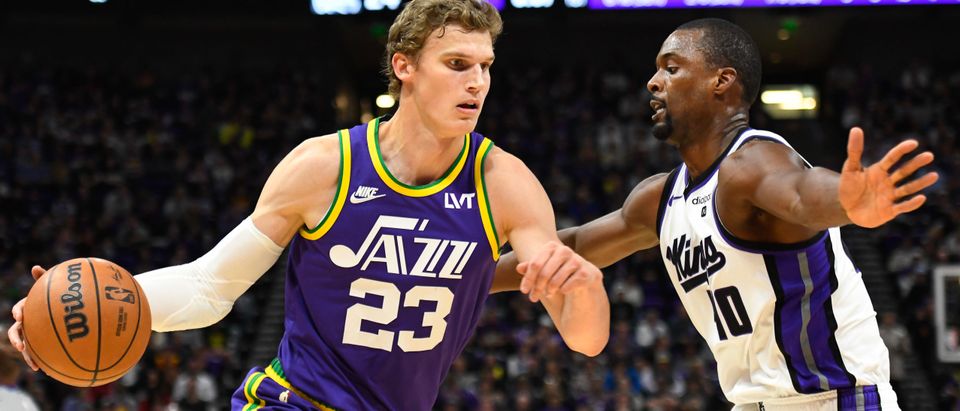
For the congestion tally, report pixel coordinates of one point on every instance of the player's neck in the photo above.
(413, 152)
(699, 152)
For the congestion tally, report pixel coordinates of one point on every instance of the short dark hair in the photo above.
(725, 44)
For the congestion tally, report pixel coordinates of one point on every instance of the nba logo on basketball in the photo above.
(119, 294)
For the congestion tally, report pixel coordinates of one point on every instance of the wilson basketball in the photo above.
(86, 322)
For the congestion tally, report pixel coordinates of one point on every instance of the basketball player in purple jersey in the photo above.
(748, 232)
(394, 228)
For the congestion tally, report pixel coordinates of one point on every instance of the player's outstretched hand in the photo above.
(557, 269)
(874, 195)
(15, 332)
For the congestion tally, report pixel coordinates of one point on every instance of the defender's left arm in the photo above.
(573, 292)
(777, 181)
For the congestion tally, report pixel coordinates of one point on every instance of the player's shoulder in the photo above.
(312, 164)
(320, 149)
(642, 204)
(507, 180)
(760, 145)
(500, 162)
(499, 155)
(650, 188)
(762, 155)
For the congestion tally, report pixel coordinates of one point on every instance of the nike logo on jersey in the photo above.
(391, 249)
(364, 194)
(694, 265)
(695, 201)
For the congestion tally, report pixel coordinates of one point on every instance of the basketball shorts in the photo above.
(267, 389)
(861, 398)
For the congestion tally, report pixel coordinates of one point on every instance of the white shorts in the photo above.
(861, 398)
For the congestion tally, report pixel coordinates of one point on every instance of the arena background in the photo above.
(142, 131)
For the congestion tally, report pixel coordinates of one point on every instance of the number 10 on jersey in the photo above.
(728, 309)
(387, 312)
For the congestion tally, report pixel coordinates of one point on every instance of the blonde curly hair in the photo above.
(419, 18)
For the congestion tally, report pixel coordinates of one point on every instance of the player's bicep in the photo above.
(632, 228)
(520, 206)
(778, 193)
(610, 238)
(299, 188)
(769, 175)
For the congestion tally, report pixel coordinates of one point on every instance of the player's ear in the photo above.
(403, 66)
(726, 79)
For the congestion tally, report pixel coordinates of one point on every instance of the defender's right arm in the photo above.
(605, 240)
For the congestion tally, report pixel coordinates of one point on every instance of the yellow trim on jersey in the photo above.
(485, 215)
(373, 144)
(272, 374)
(250, 391)
(340, 197)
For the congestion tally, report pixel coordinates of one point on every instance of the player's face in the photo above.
(680, 87)
(451, 79)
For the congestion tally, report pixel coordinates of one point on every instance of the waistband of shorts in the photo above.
(847, 398)
(275, 372)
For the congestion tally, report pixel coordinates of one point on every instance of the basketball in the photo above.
(86, 322)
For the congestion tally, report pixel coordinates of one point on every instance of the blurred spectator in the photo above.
(12, 397)
(194, 389)
(151, 169)
(920, 101)
(897, 340)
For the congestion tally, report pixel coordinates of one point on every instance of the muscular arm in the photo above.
(772, 179)
(607, 239)
(202, 292)
(299, 190)
(522, 211)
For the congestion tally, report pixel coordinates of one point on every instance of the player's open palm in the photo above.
(557, 269)
(874, 195)
(15, 332)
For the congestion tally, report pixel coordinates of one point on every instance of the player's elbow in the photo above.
(591, 347)
(199, 313)
(592, 350)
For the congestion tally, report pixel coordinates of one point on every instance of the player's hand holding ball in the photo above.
(557, 269)
(85, 322)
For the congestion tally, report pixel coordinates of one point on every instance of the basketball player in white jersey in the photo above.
(749, 234)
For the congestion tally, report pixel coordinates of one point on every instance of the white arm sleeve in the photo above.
(200, 293)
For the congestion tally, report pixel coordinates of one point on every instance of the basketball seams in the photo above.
(89, 377)
(53, 324)
(56, 332)
(48, 369)
(136, 330)
(96, 290)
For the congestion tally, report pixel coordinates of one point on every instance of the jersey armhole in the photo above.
(483, 200)
(665, 198)
(778, 140)
(340, 197)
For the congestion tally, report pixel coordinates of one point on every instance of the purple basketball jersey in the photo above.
(385, 292)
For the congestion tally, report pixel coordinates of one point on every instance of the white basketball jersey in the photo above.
(782, 320)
